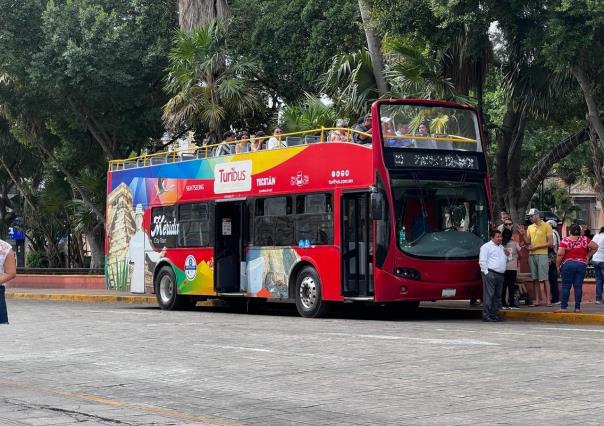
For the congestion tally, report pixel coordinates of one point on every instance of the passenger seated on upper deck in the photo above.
(424, 131)
(244, 143)
(226, 146)
(256, 142)
(363, 125)
(338, 135)
(399, 142)
(387, 131)
(275, 141)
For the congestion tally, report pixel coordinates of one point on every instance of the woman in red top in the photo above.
(573, 253)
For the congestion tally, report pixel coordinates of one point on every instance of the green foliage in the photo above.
(294, 41)
(36, 259)
(349, 81)
(313, 113)
(211, 87)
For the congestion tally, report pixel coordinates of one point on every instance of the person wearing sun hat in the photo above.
(538, 237)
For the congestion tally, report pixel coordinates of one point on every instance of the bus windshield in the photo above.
(429, 127)
(441, 219)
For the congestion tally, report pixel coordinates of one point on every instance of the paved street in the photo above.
(136, 365)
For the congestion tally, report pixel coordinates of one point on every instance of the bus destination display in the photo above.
(439, 160)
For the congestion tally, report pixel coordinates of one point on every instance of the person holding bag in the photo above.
(571, 261)
(8, 271)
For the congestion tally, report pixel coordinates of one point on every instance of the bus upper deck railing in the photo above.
(229, 148)
(288, 139)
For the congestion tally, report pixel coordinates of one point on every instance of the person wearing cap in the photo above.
(553, 272)
(538, 237)
(598, 263)
(363, 125)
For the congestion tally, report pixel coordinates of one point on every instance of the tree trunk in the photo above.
(194, 13)
(96, 253)
(373, 44)
(507, 161)
(592, 108)
(596, 166)
(545, 164)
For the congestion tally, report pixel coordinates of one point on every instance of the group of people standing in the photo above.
(549, 257)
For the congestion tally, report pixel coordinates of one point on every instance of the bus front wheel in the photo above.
(308, 294)
(166, 291)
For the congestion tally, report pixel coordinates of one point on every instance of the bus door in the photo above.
(228, 245)
(357, 256)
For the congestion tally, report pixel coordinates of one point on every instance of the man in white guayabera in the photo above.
(139, 247)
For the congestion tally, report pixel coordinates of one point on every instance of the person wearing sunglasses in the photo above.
(275, 141)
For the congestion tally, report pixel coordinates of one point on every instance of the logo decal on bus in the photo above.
(299, 180)
(235, 176)
(190, 267)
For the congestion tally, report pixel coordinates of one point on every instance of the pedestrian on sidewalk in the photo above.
(511, 269)
(573, 255)
(538, 236)
(8, 271)
(552, 252)
(598, 262)
(492, 261)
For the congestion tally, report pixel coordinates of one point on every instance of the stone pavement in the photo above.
(591, 313)
(82, 363)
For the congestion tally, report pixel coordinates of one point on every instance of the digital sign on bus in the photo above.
(450, 160)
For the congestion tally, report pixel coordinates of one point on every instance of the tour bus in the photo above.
(395, 219)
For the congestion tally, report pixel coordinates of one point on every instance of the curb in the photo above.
(84, 298)
(554, 317)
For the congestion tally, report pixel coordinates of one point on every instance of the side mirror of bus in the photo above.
(377, 206)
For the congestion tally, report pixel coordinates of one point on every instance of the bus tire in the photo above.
(308, 294)
(166, 292)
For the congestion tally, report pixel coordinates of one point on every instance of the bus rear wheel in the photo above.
(166, 292)
(308, 294)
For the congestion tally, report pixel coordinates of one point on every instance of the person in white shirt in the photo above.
(492, 261)
(275, 141)
(598, 263)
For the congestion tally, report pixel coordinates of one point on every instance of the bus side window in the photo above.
(194, 225)
(273, 222)
(314, 221)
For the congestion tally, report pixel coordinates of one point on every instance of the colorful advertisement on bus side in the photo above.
(137, 239)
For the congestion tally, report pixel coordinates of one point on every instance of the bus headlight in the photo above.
(409, 273)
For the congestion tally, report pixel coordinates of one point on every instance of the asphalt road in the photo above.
(133, 365)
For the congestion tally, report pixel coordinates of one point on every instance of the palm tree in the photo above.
(194, 13)
(350, 82)
(312, 113)
(211, 88)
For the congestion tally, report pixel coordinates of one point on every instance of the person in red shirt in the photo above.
(571, 261)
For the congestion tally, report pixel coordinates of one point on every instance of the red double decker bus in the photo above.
(398, 219)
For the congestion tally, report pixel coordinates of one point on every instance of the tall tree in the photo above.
(373, 46)
(211, 87)
(194, 13)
